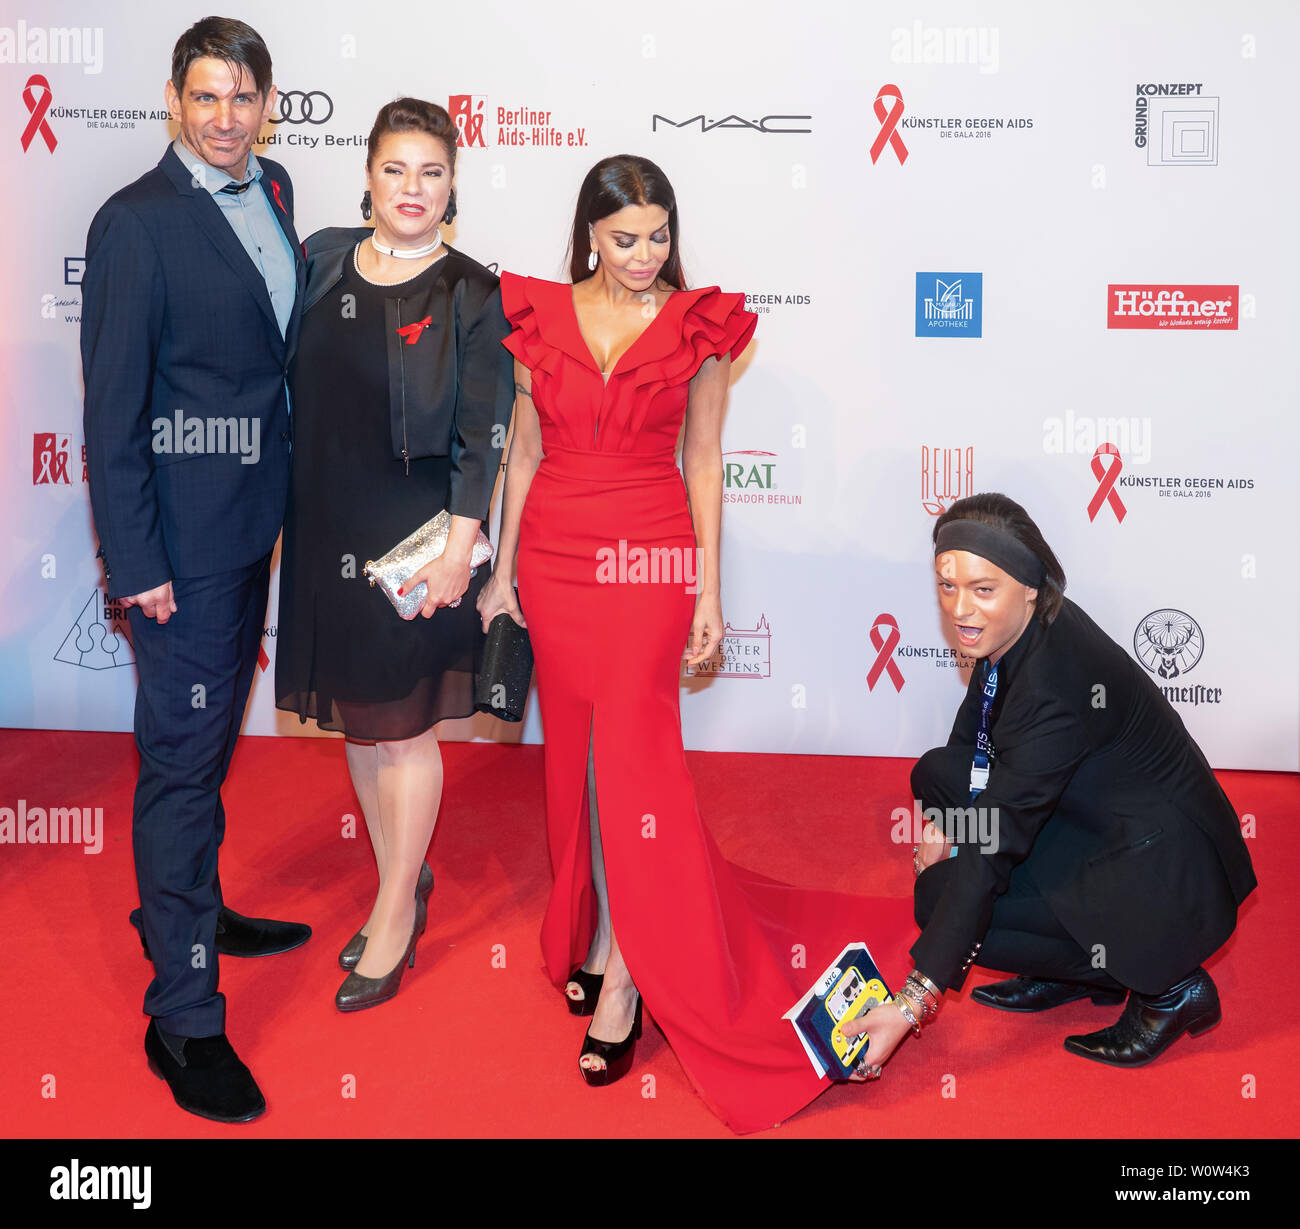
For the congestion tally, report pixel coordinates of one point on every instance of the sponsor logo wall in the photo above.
(901, 184)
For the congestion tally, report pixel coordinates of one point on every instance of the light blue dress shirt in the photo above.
(251, 218)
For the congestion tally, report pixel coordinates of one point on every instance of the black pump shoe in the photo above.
(1150, 1025)
(590, 984)
(356, 945)
(1032, 994)
(617, 1055)
(358, 992)
(205, 1075)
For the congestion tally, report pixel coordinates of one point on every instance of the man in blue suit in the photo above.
(191, 303)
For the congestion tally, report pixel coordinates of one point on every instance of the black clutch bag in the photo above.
(507, 670)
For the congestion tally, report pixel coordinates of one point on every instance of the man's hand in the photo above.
(156, 603)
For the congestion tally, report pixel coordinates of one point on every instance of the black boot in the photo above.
(1150, 1025)
(204, 1074)
(1032, 994)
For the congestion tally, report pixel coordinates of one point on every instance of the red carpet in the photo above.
(478, 1044)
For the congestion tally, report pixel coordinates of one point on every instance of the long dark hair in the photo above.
(1007, 516)
(614, 184)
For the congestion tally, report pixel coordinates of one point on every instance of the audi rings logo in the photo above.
(296, 107)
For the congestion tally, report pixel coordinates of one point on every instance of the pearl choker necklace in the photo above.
(407, 253)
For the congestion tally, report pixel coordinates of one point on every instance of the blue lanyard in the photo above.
(979, 770)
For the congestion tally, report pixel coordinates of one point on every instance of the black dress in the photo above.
(343, 655)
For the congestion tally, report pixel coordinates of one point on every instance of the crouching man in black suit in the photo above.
(191, 296)
(1115, 864)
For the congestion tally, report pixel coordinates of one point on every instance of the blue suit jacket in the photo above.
(177, 329)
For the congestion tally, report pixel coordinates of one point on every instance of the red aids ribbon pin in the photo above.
(275, 191)
(884, 646)
(1106, 483)
(37, 108)
(888, 122)
(412, 332)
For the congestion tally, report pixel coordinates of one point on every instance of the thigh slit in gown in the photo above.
(717, 952)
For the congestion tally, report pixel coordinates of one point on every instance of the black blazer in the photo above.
(176, 318)
(1108, 802)
(451, 393)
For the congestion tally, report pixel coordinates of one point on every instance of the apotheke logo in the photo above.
(1154, 306)
(949, 304)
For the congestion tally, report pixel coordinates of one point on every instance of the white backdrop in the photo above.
(1007, 195)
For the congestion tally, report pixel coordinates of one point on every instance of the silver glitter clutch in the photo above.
(411, 554)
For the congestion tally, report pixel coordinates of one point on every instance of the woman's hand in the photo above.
(887, 1027)
(496, 596)
(934, 847)
(447, 579)
(706, 629)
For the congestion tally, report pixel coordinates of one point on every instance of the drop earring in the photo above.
(592, 260)
(365, 205)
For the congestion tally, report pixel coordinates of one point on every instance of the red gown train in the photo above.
(717, 952)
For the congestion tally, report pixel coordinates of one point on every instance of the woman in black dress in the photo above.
(1093, 852)
(402, 394)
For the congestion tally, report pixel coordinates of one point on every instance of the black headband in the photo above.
(1009, 553)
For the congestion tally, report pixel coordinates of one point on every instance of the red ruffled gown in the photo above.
(717, 952)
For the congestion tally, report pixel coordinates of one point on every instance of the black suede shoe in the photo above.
(253, 936)
(1149, 1026)
(1030, 994)
(205, 1075)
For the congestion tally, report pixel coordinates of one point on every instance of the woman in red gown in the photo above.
(617, 567)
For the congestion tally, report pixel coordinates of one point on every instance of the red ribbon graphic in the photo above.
(275, 192)
(37, 107)
(888, 123)
(1106, 483)
(884, 646)
(413, 332)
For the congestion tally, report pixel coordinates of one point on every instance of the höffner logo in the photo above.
(479, 124)
(1169, 643)
(745, 653)
(949, 304)
(24, 44)
(1176, 123)
(769, 125)
(1154, 306)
